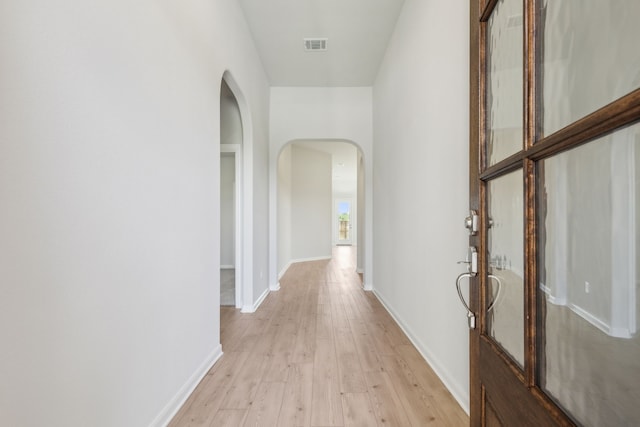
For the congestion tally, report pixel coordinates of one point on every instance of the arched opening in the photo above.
(320, 202)
(231, 194)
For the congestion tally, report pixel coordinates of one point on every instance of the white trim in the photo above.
(230, 148)
(236, 149)
(244, 196)
(294, 261)
(631, 242)
(561, 199)
(227, 267)
(283, 271)
(359, 270)
(616, 332)
(317, 258)
(461, 394)
(252, 308)
(622, 320)
(239, 196)
(551, 298)
(633, 304)
(173, 406)
(275, 288)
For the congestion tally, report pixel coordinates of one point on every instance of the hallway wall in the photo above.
(310, 204)
(284, 210)
(421, 181)
(109, 173)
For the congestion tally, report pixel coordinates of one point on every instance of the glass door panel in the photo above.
(589, 218)
(590, 57)
(343, 222)
(505, 295)
(504, 81)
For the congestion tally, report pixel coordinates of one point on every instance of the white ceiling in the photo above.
(344, 163)
(358, 33)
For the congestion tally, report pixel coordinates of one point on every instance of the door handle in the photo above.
(471, 316)
(495, 299)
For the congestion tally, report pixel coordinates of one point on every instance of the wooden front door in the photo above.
(555, 180)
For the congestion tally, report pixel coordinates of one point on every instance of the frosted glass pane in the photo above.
(589, 213)
(590, 57)
(506, 254)
(504, 81)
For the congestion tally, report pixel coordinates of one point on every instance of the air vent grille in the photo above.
(315, 44)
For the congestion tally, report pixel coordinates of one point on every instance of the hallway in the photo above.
(320, 352)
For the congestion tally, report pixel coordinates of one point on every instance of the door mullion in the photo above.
(530, 272)
(530, 69)
(531, 128)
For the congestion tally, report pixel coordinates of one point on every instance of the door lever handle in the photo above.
(495, 299)
(471, 317)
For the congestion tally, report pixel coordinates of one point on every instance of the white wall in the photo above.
(311, 200)
(284, 210)
(421, 181)
(312, 113)
(109, 174)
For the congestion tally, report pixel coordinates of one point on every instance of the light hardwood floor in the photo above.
(320, 352)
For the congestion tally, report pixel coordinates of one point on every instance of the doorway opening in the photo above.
(320, 201)
(231, 135)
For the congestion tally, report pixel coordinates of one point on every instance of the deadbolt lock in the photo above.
(472, 222)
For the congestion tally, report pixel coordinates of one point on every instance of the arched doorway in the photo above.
(316, 181)
(231, 194)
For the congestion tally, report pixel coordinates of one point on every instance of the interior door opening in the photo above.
(320, 201)
(227, 229)
(231, 135)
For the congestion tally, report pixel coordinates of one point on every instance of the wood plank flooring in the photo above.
(320, 352)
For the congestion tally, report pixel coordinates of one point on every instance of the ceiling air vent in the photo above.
(315, 45)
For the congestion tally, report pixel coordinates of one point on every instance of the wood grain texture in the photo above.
(320, 352)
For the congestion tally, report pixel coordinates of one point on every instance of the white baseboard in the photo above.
(254, 307)
(368, 287)
(227, 267)
(171, 409)
(284, 270)
(317, 258)
(275, 288)
(617, 332)
(459, 393)
(294, 261)
(360, 270)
